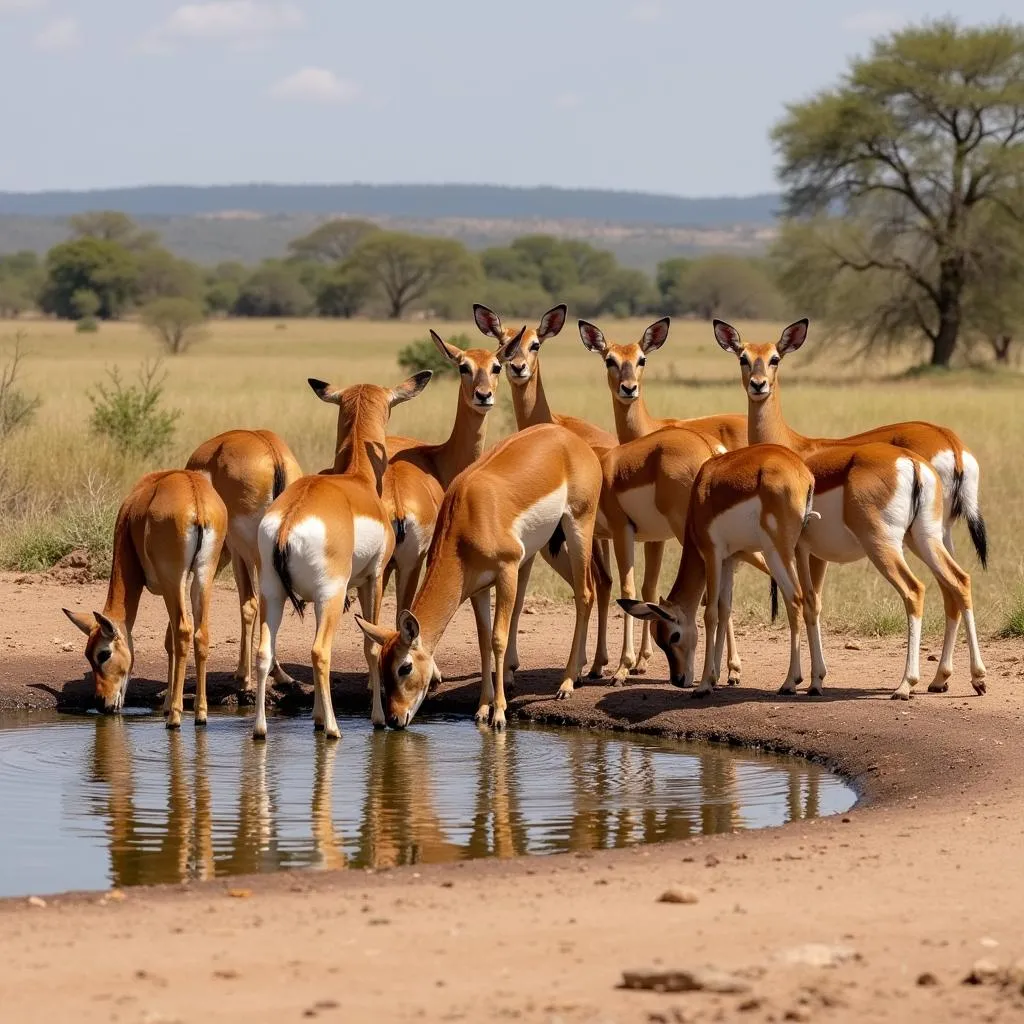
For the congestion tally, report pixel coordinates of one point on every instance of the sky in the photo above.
(651, 95)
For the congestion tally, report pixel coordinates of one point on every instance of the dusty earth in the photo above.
(878, 915)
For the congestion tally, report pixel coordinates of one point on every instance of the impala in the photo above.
(538, 487)
(522, 367)
(625, 366)
(168, 539)
(757, 499)
(248, 469)
(326, 533)
(956, 466)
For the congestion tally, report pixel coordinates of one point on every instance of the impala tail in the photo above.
(965, 505)
(280, 560)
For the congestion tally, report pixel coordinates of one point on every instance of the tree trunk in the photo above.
(1001, 346)
(946, 338)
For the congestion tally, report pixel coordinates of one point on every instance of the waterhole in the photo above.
(91, 802)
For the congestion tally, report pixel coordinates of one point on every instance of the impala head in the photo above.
(407, 669)
(479, 373)
(759, 363)
(625, 363)
(519, 351)
(110, 655)
(671, 631)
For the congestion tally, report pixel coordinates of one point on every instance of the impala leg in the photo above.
(579, 540)
(787, 575)
(624, 557)
(654, 554)
(371, 593)
(812, 580)
(713, 568)
(504, 603)
(481, 603)
(603, 586)
(271, 613)
(724, 611)
(328, 613)
(169, 648)
(181, 628)
(249, 609)
(202, 594)
(512, 654)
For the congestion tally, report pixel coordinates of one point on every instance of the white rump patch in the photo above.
(638, 504)
(533, 526)
(829, 536)
(367, 547)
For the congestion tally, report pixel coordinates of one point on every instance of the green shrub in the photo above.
(424, 355)
(16, 408)
(87, 325)
(130, 416)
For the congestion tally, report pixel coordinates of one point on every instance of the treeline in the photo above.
(110, 268)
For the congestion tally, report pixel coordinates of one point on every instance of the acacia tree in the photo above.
(407, 267)
(332, 242)
(917, 145)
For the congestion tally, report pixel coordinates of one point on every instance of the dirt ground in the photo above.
(878, 915)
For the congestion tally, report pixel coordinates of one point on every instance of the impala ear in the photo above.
(410, 388)
(409, 628)
(324, 391)
(656, 335)
(511, 348)
(378, 634)
(108, 629)
(488, 322)
(552, 322)
(728, 337)
(643, 610)
(793, 337)
(452, 352)
(592, 338)
(85, 622)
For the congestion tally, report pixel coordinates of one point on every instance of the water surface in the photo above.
(87, 802)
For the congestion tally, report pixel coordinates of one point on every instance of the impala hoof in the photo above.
(980, 687)
(938, 687)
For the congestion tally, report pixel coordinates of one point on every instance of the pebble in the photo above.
(36, 901)
(679, 894)
(851, 646)
(927, 980)
(240, 894)
(697, 979)
(817, 954)
(982, 972)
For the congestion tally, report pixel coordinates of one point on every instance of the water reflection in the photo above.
(197, 804)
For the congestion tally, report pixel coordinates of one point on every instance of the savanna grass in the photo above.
(251, 373)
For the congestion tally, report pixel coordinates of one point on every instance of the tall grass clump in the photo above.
(131, 416)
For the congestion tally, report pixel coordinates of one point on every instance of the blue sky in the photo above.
(656, 95)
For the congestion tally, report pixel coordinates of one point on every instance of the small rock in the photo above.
(817, 954)
(753, 1003)
(933, 657)
(699, 979)
(36, 901)
(226, 974)
(116, 895)
(679, 894)
(927, 980)
(983, 972)
(989, 943)
(711, 861)
(68, 647)
(240, 894)
(851, 646)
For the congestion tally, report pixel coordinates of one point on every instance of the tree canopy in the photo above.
(898, 168)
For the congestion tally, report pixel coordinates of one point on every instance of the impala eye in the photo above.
(676, 637)
(496, 368)
(642, 361)
(463, 368)
(774, 361)
(744, 361)
(535, 347)
(610, 363)
(102, 657)
(404, 670)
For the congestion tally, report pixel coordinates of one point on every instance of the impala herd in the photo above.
(726, 488)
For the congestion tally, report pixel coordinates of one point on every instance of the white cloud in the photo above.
(314, 85)
(647, 11)
(873, 23)
(568, 101)
(59, 36)
(18, 6)
(240, 22)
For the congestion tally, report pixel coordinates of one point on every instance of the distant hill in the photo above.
(412, 201)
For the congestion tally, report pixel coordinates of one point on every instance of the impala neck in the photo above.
(465, 444)
(443, 590)
(690, 581)
(633, 420)
(766, 425)
(127, 579)
(361, 452)
(530, 402)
